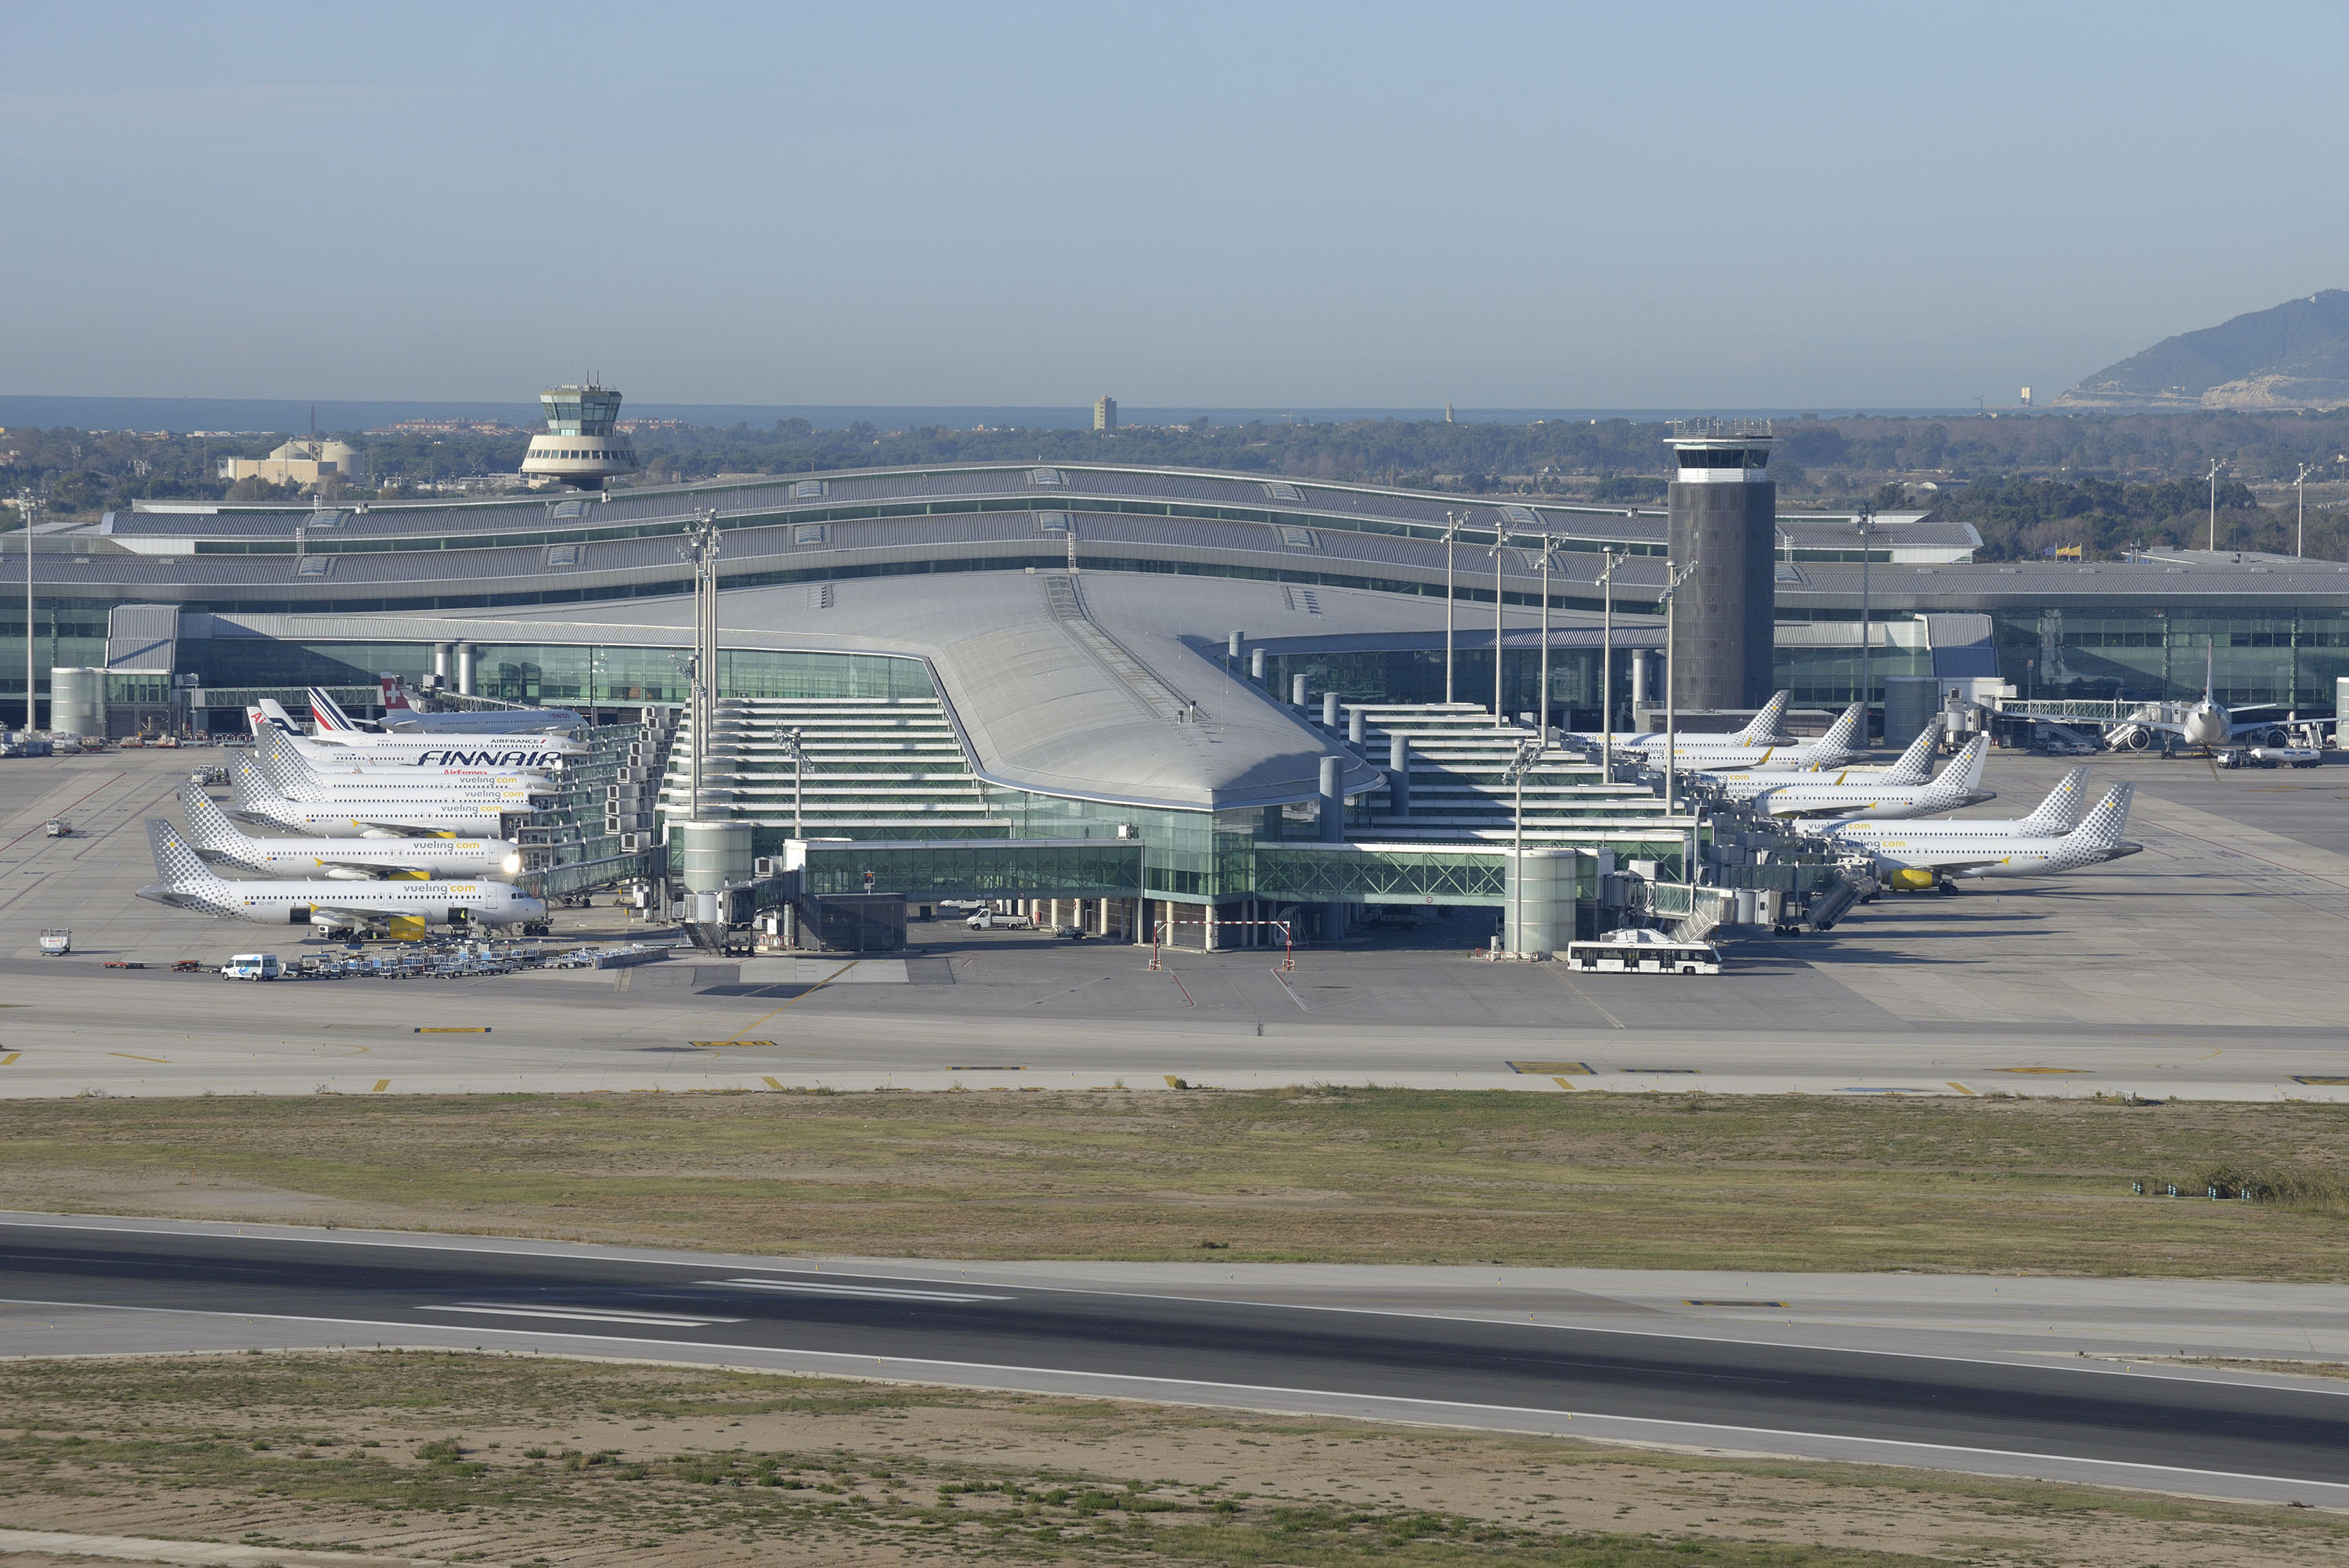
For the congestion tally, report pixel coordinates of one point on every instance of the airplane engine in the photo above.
(1909, 878)
(343, 873)
(405, 927)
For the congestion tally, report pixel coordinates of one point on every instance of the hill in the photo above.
(2292, 355)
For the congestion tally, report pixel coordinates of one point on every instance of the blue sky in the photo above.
(1366, 205)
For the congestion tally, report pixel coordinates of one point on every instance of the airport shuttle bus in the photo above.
(1645, 952)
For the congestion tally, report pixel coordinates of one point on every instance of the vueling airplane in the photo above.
(259, 800)
(1918, 855)
(399, 908)
(215, 838)
(1708, 753)
(1761, 730)
(1914, 766)
(1824, 795)
(2058, 813)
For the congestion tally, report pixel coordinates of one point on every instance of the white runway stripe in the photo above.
(867, 1292)
(585, 1315)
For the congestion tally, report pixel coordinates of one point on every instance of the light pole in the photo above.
(28, 506)
(1548, 558)
(1529, 756)
(1500, 543)
(799, 760)
(1867, 525)
(1451, 533)
(700, 545)
(1671, 740)
(2300, 535)
(2213, 477)
(1607, 661)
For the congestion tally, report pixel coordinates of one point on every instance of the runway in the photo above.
(1528, 1353)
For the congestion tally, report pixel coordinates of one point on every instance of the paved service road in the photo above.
(2092, 1421)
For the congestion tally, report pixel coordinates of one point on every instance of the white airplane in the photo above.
(1761, 730)
(1821, 795)
(400, 715)
(2058, 813)
(360, 749)
(1924, 854)
(401, 909)
(259, 800)
(1829, 750)
(298, 780)
(1914, 766)
(2205, 724)
(216, 840)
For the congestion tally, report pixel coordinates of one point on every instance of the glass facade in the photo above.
(2287, 657)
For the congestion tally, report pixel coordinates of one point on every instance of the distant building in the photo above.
(1447, 413)
(581, 444)
(1105, 413)
(303, 461)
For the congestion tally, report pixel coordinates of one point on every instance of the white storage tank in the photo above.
(1546, 881)
(711, 854)
(76, 700)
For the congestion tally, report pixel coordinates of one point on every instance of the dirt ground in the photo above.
(1326, 1175)
(430, 1456)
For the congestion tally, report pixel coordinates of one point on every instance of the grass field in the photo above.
(1328, 1175)
(453, 1458)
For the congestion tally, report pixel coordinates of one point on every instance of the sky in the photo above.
(1500, 205)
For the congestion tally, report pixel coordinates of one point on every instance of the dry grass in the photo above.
(459, 1457)
(1336, 1175)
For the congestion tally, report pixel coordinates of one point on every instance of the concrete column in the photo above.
(1329, 710)
(1639, 681)
(1232, 648)
(1399, 776)
(1256, 666)
(1334, 803)
(465, 668)
(1208, 939)
(1296, 691)
(440, 661)
(1357, 728)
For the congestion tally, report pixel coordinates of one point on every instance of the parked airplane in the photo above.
(401, 715)
(2206, 723)
(1821, 796)
(216, 840)
(401, 909)
(1922, 854)
(2058, 813)
(446, 760)
(1761, 730)
(1914, 766)
(1829, 750)
(298, 780)
(259, 800)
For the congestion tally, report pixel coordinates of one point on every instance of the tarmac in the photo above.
(2205, 967)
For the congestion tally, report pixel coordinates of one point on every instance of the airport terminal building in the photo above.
(1138, 660)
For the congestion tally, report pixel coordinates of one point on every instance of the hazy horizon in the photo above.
(1365, 208)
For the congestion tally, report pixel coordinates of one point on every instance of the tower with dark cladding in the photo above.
(1724, 518)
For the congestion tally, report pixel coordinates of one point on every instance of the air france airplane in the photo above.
(336, 727)
(401, 908)
(216, 839)
(259, 800)
(1823, 796)
(1919, 856)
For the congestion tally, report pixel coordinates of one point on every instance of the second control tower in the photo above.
(1724, 518)
(581, 444)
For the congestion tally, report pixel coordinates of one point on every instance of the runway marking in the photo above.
(2297, 1078)
(1562, 1084)
(770, 1081)
(736, 1043)
(1691, 1072)
(128, 1056)
(10, 1059)
(1963, 1089)
(1077, 986)
(2047, 1072)
(1180, 986)
(1568, 981)
(739, 1040)
(1291, 990)
(1549, 1070)
(468, 1029)
(1779, 1306)
(381, 1085)
(863, 1292)
(998, 1067)
(596, 1315)
(812, 990)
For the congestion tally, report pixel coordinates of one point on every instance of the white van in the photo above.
(252, 966)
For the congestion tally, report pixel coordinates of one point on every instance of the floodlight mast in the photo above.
(1672, 738)
(1548, 558)
(2299, 533)
(2213, 477)
(1528, 757)
(700, 545)
(27, 506)
(1500, 543)
(1866, 522)
(1607, 661)
(1451, 533)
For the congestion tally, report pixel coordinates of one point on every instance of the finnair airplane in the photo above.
(1762, 731)
(400, 715)
(396, 908)
(297, 779)
(259, 800)
(1922, 854)
(1823, 794)
(216, 841)
(357, 749)
(1829, 750)
(2058, 813)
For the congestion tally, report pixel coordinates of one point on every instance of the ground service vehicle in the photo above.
(252, 966)
(1640, 951)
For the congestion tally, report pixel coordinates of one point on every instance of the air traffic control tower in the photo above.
(581, 445)
(1724, 518)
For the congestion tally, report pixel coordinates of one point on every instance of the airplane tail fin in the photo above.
(2060, 812)
(2102, 828)
(1763, 728)
(1965, 772)
(208, 826)
(284, 768)
(1843, 735)
(394, 696)
(1915, 766)
(328, 715)
(278, 718)
(175, 862)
